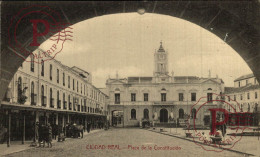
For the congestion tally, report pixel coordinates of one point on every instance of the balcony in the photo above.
(70, 106)
(33, 99)
(58, 104)
(78, 107)
(52, 102)
(74, 106)
(82, 108)
(163, 102)
(44, 101)
(64, 104)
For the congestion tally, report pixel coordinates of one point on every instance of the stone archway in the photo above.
(239, 19)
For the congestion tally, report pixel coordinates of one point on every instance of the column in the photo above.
(63, 121)
(68, 119)
(23, 128)
(9, 128)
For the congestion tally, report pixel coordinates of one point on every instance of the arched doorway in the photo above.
(117, 118)
(163, 115)
(146, 114)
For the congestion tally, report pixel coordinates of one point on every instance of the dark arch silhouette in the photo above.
(163, 115)
(181, 113)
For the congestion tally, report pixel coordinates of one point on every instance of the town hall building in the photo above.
(162, 98)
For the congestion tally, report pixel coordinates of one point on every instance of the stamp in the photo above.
(40, 23)
(215, 137)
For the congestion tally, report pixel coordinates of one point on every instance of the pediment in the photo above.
(117, 82)
(210, 81)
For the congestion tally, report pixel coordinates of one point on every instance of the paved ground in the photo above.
(123, 138)
(247, 144)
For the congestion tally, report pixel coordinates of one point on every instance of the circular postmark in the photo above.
(217, 123)
(33, 25)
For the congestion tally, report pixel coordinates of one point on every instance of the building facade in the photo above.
(50, 92)
(161, 98)
(244, 97)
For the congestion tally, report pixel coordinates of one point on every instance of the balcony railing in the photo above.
(44, 101)
(58, 104)
(33, 99)
(52, 102)
(64, 104)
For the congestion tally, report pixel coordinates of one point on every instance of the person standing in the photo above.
(49, 137)
(88, 127)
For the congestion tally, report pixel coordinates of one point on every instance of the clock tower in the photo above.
(160, 62)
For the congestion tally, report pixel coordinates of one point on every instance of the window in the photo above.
(145, 96)
(20, 91)
(241, 107)
(239, 84)
(64, 101)
(181, 113)
(181, 97)
(77, 86)
(228, 98)
(68, 81)
(133, 114)
(33, 96)
(146, 114)
(193, 96)
(50, 71)
(209, 96)
(117, 98)
(241, 97)
(42, 72)
(255, 95)
(58, 99)
(133, 95)
(73, 84)
(63, 96)
(70, 107)
(248, 95)
(193, 113)
(248, 107)
(42, 94)
(163, 96)
(235, 98)
(58, 77)
(51, 99)
(32, 63)
(81, 88)
(63, 78)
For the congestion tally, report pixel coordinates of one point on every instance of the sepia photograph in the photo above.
(130, 78)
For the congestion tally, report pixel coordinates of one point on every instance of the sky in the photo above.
(125, 43)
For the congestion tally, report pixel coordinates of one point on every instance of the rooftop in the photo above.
(244, 77)
(229, 90)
